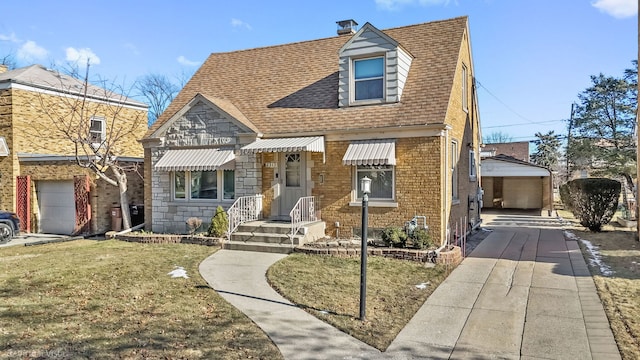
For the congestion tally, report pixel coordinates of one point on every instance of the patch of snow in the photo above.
(486, 230)
(179, 271)
(595, 259)
(423, 285)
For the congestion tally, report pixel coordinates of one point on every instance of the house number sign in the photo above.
(271, 165)
(222, 140)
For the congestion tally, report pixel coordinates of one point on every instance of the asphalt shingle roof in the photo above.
(39, 76)
(293, 88)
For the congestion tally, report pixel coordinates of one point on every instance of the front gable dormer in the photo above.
(373, 69)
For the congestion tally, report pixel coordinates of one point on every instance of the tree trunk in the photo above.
(121, 178)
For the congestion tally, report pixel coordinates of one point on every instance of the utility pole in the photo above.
(566, 154)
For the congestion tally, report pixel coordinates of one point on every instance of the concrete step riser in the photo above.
(283, 230)
(264, 238)
(257, 247)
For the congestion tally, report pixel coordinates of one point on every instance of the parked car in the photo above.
(9, 226)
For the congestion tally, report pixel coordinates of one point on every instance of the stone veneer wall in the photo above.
(201, 126)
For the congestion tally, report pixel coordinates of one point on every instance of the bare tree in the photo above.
(9, 60)
(93, 123)
(159, 91)
(497, 137)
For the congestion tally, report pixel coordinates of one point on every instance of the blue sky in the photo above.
(531, 58)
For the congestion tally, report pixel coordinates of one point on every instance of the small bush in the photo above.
(565, 196)
(594, 201)
(421, 239)
(219, 223)
(194, 224)
(394, 236)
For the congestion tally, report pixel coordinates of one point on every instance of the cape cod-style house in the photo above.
(287, 132)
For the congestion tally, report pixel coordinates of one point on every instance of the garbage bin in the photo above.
(137, 214)
(116, 218)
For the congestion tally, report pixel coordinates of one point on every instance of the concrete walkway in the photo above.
(524, 293)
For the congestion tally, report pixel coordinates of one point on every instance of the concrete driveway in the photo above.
(29, 239)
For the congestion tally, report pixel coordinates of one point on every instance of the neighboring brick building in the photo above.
(518, 150)
(310, 119)
(40, 177)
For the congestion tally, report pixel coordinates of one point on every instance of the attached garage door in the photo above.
(57, 207)
(522, 193)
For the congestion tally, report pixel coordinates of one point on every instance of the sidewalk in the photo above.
(523, 293)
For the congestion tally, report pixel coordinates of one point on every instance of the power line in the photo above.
(529, 123)
(503, 103)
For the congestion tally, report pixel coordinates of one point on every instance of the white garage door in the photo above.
(522, 193)
(57, 207)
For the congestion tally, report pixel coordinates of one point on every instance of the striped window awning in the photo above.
(196, 160)
(311, 144)
(371, 152)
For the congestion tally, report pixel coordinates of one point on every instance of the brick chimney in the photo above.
(3, 68)
(347, 27)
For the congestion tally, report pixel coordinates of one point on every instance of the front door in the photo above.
(293, 181)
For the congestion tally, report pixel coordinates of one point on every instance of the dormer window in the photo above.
(368, 79)
(373, 69)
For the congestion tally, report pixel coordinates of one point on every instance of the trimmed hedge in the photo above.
(565, 197)
(594, 201)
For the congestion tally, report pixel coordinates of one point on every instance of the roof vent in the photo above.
(347, 27)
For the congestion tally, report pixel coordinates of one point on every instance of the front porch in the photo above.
(249, 231)
(273, 236)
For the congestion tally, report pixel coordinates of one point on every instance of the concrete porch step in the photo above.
(258, 247)
(268, 238)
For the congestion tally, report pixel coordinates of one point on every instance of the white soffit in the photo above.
(497, 168)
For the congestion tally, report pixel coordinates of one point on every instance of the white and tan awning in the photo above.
(311, 144)
(195, 160)
(371, 152)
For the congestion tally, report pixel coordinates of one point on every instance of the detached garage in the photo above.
(509, 183)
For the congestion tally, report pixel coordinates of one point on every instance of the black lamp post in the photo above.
(365, 186)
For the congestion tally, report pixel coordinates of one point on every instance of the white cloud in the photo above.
(80, 56)
(397, 4)
(617, 8)
(241, 24)
(11, 38)
(132, 47)
(30, 51)
(184, 61)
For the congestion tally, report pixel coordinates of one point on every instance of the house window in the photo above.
(464, 88)
(382, 181)
(204, 185)
(368, 79)
(454, 170)
(472, 165)
(97, 130)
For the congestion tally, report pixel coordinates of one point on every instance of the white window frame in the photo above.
(353, 80)
(454, 171)
(373, 201)
(473, 169)
(187, 187)
(101, 133)
(465, 97)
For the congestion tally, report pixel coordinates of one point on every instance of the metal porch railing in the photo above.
(303, 212)
(244, 209)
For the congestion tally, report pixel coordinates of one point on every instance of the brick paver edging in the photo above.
(452, 256)
(169, 239)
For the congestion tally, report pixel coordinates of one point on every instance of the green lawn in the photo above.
(329, 288)
(113, 299)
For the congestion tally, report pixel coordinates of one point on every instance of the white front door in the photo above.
(293, 181)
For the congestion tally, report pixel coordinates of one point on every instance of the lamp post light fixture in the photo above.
(365, 187)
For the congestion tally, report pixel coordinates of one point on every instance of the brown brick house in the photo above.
(298, 125)
(40, 176)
